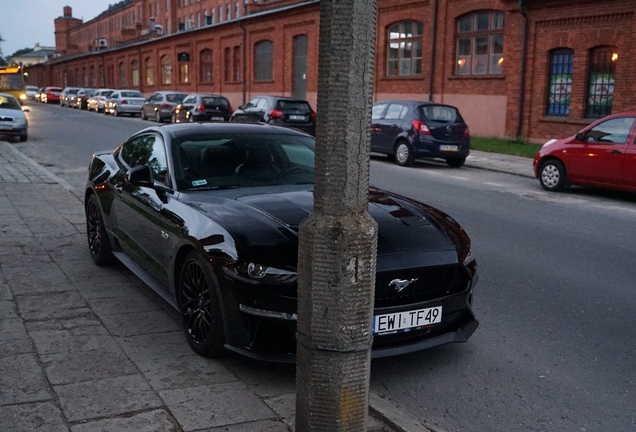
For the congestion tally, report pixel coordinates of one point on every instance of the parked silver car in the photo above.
(160, 104)
(13, 122)
(124, 102)
(96, 102)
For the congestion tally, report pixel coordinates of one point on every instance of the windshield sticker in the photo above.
(199, 182)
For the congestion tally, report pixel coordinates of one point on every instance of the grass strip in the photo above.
(504, 146)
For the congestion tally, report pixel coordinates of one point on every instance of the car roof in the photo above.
(179, 130)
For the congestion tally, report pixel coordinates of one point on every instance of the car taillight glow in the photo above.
(419, 126)
(313, 115)
(166, 106)
(230, 109)
(276, 114)
(466, 132)
(124, 102)
(201, 108)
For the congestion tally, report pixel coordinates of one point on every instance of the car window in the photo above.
(132, 94)
(395, 112)
(175, 97)
(114, 95)
(262, 103)
(252, 103)
(440, 113)
(377, 111)
(614, 130)
(190, 99)
(293, 105)
(107, 93)
(9, 103)
(155, 97)
(147, 150)
(215, 101)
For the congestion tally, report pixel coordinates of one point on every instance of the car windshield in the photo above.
(292, 105)
(131, 94)
(175, 97)
(440, 113)
(106, 93)
(214, 101)
(9, 103)
(73, 91)
(223, 161)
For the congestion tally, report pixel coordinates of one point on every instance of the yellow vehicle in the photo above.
(12, 82)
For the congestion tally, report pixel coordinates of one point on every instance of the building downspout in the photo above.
(431, 74)
(524, 49)
(244, 60)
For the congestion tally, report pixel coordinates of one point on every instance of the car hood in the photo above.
(266, 225)
(13, 113)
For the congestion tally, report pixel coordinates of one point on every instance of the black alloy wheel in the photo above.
(552, 175)
(98, 243)
(199, 307)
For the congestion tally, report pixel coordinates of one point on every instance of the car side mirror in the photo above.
(25, 109)
(581, 137)
(141, 176)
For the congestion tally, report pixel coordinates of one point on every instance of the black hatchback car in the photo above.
(278, 111)
(409, 130)
(202, 107)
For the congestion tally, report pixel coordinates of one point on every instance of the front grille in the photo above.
(431, 283)
(6, 119)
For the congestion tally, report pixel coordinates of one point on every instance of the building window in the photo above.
(480, 43)
(263, 60)
(198, 19)
(167, 4)
(560, 81)
(404, 49)
(229, 11)
(236, 10)
(184, 73)
(227, 65)
(166, 70)
(600, 82)
(134, 67)
(220, 13)
(150, 72)
(206, 65)
(122, 75)
(237, 63)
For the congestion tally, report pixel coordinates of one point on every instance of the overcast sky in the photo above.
(23, 23)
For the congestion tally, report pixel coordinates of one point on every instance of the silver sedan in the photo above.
(124, 102)
(13, 122)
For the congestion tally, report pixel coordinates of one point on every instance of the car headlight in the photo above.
(257, 274)
(470, 263)
(23, 96)
(19, 120)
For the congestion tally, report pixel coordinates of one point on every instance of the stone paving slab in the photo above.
(155, 346)
(139, 323)
(32, 417)
(184, 372)
(40, 307)
(22, 380)
(151, 421)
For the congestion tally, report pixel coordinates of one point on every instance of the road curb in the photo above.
(395, 418)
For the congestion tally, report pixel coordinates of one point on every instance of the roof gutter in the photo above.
(522, 87)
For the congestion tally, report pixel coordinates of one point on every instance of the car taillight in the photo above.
(230, 110)
(312, 115)
(166, 106)
(276, 114)
(419, 126)
(124, 102)
(201, 108)
(466, 132)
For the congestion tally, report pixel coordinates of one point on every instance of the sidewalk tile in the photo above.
(153, 421)
(183, 372)
(52, 305)
(155, 346)
(138, 323)
(134, 302)
(22, 380)
(32, 417)
(45, 277)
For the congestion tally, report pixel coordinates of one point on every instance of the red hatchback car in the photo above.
(603, 155)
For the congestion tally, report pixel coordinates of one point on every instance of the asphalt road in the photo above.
(556, 348)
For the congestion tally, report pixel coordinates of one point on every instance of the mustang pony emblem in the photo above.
(400, 284)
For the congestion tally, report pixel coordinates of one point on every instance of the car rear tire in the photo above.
(115, 112)
(24, 136)
(157, 117)
(173, 118)
(98, 243)
(552, 175)
(199, 306)
(456, 162)
(143, 115)
(403, 154)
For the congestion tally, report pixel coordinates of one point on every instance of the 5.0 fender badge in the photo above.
(400, 284)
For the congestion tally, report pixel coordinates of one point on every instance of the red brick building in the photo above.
(572, 58)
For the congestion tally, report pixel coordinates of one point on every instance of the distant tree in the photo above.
(20, 52)
(2, 60)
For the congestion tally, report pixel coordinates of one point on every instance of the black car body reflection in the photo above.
(208, 216)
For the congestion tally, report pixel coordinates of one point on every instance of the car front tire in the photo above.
(98, 243)
(157, 117)
(24, 136)
(404, 154)
(143, 115)
(199, 306)
(552, 176)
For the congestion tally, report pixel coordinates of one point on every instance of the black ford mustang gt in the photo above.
(208, 214)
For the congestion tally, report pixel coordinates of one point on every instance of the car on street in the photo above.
(96, 101)
(602, 154)
(51, 95)
(38, 94)
(67, 94)
(31, 91)
(202, 107)
(278, 111)
(159, 105)
(80, 100)
(124, 102)
(207, 214)
(13, 122)
(408, 130)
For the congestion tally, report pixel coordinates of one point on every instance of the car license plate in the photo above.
(217, 118)
(296, 117)
(6, 127)
(405, 321)
(452, 148)
(136, 102)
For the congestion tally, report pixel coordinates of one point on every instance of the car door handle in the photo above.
(616, 152)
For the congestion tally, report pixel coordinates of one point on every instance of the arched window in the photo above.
(404, 49)
(166, 70)
(134, 68)
(150, 71)
(205, 60)
(600, 81)
(560, 81)
(85, 75)
(480, 43)
(237, 63)
(263, 60)
(102, 78)
(122, 75)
